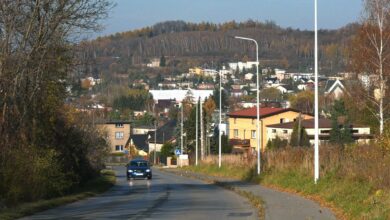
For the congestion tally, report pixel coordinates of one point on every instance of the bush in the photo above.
(276, 143)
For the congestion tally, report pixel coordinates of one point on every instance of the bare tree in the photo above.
(372, 53)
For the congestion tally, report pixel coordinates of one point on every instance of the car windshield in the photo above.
(138, 164)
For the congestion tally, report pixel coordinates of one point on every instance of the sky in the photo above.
(133, 14)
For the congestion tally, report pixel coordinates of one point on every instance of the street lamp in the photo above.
(258, 99)
(196, 135)
(220, 119)
(316, 135)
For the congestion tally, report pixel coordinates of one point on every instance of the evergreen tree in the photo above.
(163, 61)
(276, 143)
(299, 138)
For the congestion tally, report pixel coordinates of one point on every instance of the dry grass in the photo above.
(355, 179)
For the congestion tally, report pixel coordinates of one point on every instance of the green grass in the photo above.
(92, 188)
(351, 199)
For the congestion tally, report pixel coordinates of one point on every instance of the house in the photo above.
(271, 80)
(167, 85)
(249, 76)
(145, 129)
(180, 94)
(242, 125)
(163, 105)
(155, 62)
(241, 66)
(140, 142)
(118, 134)
(206, 86)
(284, 89)
(334, 88)
(238, 92)
(360, 134)
(164, 134)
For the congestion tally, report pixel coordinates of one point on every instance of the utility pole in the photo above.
(181, 129)
(201, 131)
(220, 122)
(196, 134)
(316, 126)
(155, 134)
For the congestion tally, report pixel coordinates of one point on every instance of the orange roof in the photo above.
(264, 112)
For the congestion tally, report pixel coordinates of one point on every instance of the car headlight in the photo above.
(130, 171)
(147, 170)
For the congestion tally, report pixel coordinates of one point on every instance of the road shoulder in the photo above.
(277, 204)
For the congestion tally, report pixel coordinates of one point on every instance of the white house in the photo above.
(334, 88)
(249, 76)
(360, 134)
(179, 95)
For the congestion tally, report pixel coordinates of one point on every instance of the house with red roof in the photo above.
(242, 125)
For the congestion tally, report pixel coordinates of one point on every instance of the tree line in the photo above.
(279, 47)
(46, 147)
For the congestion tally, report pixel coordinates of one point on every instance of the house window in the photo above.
(119, 135)
(235, 119)
(118, 147)
(119, 125)
(253, 134)
(253, 121)
(235, 132)
(281, 120)
(273, 130)
(325, 131)
(284, 131)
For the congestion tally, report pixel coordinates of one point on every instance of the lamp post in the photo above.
(181, 129)
(316, 135)
(220, 122)
(220, 119)
(258, 99)
(196, 135)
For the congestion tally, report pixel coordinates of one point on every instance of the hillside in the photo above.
(197, 44)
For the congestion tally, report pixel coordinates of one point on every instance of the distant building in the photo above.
(155, 62)
(360, 134)
(179, 95)
(205, 86)
(334, 88)
(140, 142)
(142, 129)
(241, 66)
(242, 125)
(118, 134)
(249, 76)
(165, 134)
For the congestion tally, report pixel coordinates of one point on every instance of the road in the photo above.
(166, 196)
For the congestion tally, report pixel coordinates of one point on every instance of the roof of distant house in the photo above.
(332, 84)
(140, 141)
(264, 112)
(164, 133)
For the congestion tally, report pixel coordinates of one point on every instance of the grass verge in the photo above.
(348, 198)
(92, 188)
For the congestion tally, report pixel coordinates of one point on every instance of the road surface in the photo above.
(166, 196)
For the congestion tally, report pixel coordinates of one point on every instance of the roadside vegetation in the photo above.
(48, 149)
(355, 180)
(91, 188)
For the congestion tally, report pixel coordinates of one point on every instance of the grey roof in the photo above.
(164, 133)
(330, 83)
(140, 141)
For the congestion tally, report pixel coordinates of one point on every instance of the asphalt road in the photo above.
(166, 196)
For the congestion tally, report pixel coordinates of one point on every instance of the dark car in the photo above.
(138, 169)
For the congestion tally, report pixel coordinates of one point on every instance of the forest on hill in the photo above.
(202, 43)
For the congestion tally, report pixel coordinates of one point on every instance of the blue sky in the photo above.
(133, 14)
